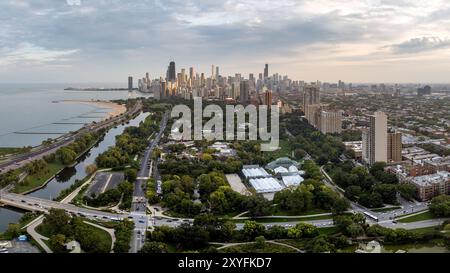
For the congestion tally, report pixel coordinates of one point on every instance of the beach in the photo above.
(115, 109)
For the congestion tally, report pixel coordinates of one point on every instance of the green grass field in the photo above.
(252, 248)
(419, 217)
(37, 180)
(277, 211)
(283, 219)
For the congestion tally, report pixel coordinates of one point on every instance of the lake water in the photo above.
(31, 106)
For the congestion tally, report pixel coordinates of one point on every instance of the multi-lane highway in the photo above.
(41, 151)
(139, 204)
(30, 203)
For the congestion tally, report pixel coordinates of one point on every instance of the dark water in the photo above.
(70, 174)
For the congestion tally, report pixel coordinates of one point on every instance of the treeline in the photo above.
(123, 232)
(311, 194)
(322, 148)
(440, 206)
(196, 168)
(62, 229)
(371, 188)
(435, 149)
(132, 141)
(208, 193)
(66, 155)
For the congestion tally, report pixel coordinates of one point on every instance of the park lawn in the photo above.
(105, 238)
(252, 248)
(37, 180)
(283, 219)
(277, 211)
(285, 149)
(425, 230)
(328, 230)
(419, 217)
(385, 209)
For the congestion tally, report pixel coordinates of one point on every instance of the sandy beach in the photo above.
(115, 109)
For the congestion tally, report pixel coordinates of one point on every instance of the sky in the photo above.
(328, 40)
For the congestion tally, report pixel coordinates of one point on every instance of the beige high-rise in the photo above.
(330, 122)
(394, 147)
(375, 140)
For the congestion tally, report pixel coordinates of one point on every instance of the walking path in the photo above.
(109, 230)
(225, 245)
(31, 229)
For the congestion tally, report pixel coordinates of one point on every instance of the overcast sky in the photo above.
(107, 40)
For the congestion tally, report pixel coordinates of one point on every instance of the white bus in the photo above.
(371, 216)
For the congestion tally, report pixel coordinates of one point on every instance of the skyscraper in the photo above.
(268, 98)
(330, 122)
(191, 73)
(266, 71)
(394, 146)
(244, 92)
(171, 73)
(311, 95)
(212, 71)
(375, 139)
(217, 72)
(130, 83)
(311, 104)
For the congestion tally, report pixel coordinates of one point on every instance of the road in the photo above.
(41, 151)
(43, 205)
(406, 207)
(139, 204)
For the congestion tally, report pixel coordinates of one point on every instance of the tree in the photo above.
(91, 169)
(440, 206)
(294, 233)
(407, 191)
(13, 230)
(258, 206)
(252, 229)
(65, 155)
(57, 242)
(57, 220)
(354, 230)
(307, 230)
(340, 205)
(154, 247)
(388, 193)
(260, 242)
(319, 245)
(130, 175)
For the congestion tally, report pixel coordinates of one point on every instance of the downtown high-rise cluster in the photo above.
(188, 84)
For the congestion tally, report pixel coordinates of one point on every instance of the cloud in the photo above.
(418, 45)
(230, 33)
(30, 54)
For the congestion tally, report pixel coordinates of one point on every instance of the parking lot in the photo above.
(104, 181)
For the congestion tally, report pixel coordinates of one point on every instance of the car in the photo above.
(142, 221)
(23, 201)
(139, 232)
(395, 222)
(130, 217)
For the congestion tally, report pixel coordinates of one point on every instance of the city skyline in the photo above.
(102, 41)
